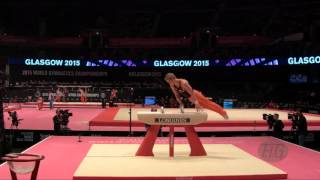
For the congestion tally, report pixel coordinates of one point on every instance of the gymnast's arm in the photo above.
(176, 94)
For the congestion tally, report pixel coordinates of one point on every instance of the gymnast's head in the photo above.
(170, 77)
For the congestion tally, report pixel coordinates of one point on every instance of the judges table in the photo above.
(187, 120)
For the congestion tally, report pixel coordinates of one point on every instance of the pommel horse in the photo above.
(187, 120)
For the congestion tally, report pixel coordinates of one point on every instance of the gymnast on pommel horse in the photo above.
(182, 88)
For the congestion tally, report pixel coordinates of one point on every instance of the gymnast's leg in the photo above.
(206, 103)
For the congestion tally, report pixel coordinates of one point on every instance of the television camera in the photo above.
(294, 117)
(269, 118)
(65, 115)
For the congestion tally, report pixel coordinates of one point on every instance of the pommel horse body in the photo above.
(187, 120)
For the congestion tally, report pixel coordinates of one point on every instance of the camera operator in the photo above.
(57, 119)
(270, 120)
(14, 119)
(277, 127)
(302, 127)
(65, 114)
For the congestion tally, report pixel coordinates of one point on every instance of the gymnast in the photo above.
(83, 94)
(182, 88)
(40, 103)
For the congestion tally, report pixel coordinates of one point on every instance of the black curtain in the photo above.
(2, 143)
(2, 135)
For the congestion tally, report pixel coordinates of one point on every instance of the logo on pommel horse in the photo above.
(172, 120)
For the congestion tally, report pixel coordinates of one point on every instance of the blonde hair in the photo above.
(170, 76)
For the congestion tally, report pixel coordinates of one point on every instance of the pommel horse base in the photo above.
(187, 120)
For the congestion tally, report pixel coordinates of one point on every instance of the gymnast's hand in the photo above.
(197, 106)
(181, 108)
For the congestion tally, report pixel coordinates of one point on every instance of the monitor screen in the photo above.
(228, 104)
(150, 100)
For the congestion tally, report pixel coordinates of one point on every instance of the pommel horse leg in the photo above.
(145, 148)
(196, 146)
(171, 141)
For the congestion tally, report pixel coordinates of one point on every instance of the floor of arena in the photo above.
(65, 155)
(91, 116)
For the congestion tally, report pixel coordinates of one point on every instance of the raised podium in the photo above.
(187, 120)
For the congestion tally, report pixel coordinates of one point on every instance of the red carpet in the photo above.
(106, 118)
(106, 115)
(64, 154)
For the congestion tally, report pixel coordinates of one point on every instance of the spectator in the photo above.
(51, 99)
(103, 99)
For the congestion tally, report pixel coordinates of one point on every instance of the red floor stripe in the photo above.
(244, 177)
(105, 116)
